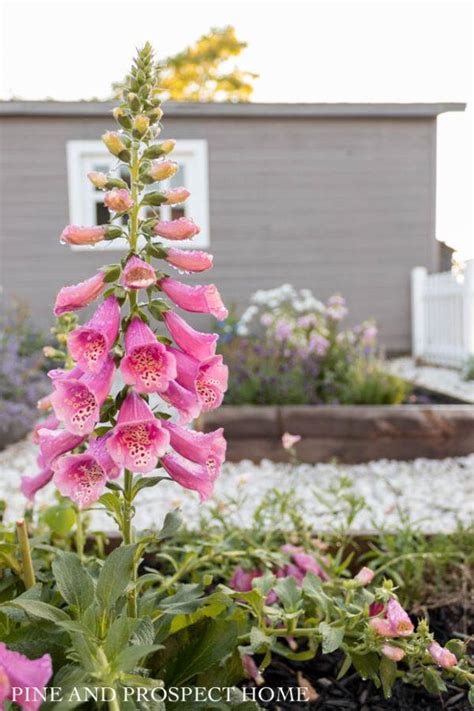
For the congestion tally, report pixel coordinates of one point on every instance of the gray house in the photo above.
(333, 197)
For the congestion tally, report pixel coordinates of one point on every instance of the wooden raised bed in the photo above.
(349, 433)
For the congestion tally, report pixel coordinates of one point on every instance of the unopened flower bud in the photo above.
(122, 117)
(98, 180)
(50, 352)
(134, 101)
(140, 125)
(396, 654)
(442, 656)
(175, 196)
(155, 114)
(118, 200)
(161, 170)
(116, 146)
(365, 576)
(168, 146)
(78, 235)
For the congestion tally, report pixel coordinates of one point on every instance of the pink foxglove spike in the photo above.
(182, 228)
(76, 296)
(196, 344)
(189, 474)
(187, 261)
(75, 234)
(138, 274)
(207, 449)
(147, 364)
(184, 401)
(196, 299)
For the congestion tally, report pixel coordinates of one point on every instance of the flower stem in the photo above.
(27, 562)
(79, 534)
(134, 169)
(127, 532)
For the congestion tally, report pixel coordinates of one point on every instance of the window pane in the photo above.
(101, 214)
(179, 178)
(177, 212)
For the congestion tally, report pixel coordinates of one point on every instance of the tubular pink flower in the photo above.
(189, 475)
(197, 299)
(24, 674)
(32, 484)
(147, 365)
(187, 261)
(77, 400)
(289, 440)
(375, 608)
(394, 653)
(382, 627)
(50, 423)
(118, 200)
(76, 296)
(251, 670)
(175, 196)
(442, 656)
(183, 228)
(74, 234)
(90, 344)
(207, 449)
(82, 477)
(241, 581)
(208, 378)
(305, 562)
(53, 443)
(185, 402)
(138, 274)
(138, 439)
(163, 169)
(196, 344)
(365, 576)
(398, 619)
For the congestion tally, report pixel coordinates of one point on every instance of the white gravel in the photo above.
(436, 495)
(444, 380)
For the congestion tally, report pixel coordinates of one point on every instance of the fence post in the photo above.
(468, 308)
(418, 284)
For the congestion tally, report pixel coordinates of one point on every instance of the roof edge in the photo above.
(230, 110)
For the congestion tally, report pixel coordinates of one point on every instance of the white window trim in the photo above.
(192, 152)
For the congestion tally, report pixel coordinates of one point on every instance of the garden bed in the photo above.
(349, 433)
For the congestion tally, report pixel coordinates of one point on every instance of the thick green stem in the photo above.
(27, 562)
(127, 532)
(79, 534)
(134, 170)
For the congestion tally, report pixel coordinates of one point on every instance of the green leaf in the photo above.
(184, 602)
(112, 273)
(145, 482)
(366, 665)
(153, 198)
(115, 575)
(457, 647)
(129, 657)
(388, 675)
(332, 637)
(433, 682)
(171, 525)
(60, 519)
(118, 636)
(346, 665)
(470, 696)
(154, 151)
(288, 593)
(74, 582)
(37, 609)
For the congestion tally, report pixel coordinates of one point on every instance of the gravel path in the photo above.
(436, 495)
(444, 380)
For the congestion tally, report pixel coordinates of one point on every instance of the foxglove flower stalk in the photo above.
(76, 296)
(183, 228)
(147, 364)
(138, 438)
(138, 274)
(77, 400)
(196, 299)
(187, 261)
(208, 379)
(184, 401)
(207, 449)
(23, 674)
(89, 345)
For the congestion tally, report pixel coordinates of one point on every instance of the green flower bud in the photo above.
(140, 125)
(133, 101)
(121, 117)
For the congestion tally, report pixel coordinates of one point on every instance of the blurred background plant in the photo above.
(289, 348)
(22, 376)
(468, 370)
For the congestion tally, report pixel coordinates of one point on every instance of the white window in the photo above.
(86, 205)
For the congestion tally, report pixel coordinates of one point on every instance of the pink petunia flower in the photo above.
(147, 364)
(76, 296)
(208, 379)
(183, 400)
(118, 200)
(197, 299)
(138, 439)
(187, 261)
(442, 656)
(82, 477)
(289, 440)
(138, 274)
(382, 627)
(241, 581)
(182, 228)
(394, 653)
(251, 670)
(77, 399)
(207, 449)
(195, 343)
(75, 234)
(23, 674)
(304, 561)
(190, 475)
(90, 344)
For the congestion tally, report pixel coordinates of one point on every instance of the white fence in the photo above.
(443, 316)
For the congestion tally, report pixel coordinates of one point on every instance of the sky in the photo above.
(303, 51)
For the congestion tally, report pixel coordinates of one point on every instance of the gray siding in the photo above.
(333, 204)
